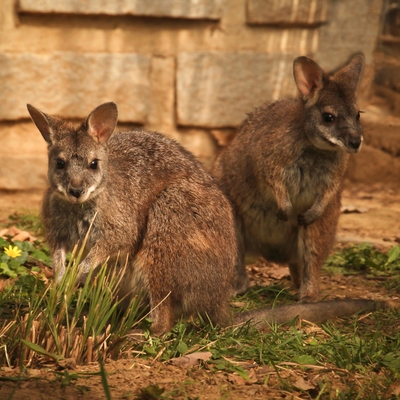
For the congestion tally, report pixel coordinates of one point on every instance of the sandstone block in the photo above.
(286, 12)
(72, 84)
(161, 103)
(341, 36)
(218, 89)
(23, 156)
(200, 9)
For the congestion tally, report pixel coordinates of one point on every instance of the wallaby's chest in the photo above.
(76, 222)
(309, 177)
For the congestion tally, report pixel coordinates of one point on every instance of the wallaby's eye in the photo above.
(94, 164)
(60, 163)
(358, 115)
(328, 117)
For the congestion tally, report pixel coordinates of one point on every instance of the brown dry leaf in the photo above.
(301, 384)
(24, 237)
(392, 390)
(191, 359)
(279, 272)
(238, 380)
(13, 230)
(5, 283)
(17, 234)
(350, 209)
(47, 272)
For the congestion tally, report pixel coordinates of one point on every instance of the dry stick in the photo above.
(50, 341)
(89, 349)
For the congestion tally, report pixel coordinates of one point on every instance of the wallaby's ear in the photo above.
(101, 121)
(350, 74)
(308, 75)
(42, 122)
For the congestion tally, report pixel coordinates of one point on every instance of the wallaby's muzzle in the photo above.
(75, 192)
(353, 142)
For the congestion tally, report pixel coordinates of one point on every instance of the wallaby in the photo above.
(150, 203)
(284, 169)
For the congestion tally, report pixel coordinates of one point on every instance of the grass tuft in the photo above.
(358, 357)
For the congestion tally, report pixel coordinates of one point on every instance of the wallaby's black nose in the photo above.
(354, 143)
(75, 192)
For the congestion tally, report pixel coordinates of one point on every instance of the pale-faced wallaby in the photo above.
(284, 169)
(153, 204)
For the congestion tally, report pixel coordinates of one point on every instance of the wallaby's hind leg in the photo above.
(295, 274)
(186, 251)
(241, 279)
(162, 313)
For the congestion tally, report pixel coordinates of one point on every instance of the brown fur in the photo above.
(284, 169)
(154, 205)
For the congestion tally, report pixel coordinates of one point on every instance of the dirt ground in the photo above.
(368, 215)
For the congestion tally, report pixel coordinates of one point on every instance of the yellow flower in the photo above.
(12, 251)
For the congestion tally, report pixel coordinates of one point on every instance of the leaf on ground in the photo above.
(5, 283)
(301, 384)
(17, 234)
(279, 272)
(350, 208)
(392, 390)
(240, 380)
(192, 359)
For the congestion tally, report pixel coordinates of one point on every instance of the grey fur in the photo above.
(284, 169)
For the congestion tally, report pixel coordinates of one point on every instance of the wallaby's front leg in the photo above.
(94, 258)
(283, 201)
(316, 210)
(59, 257)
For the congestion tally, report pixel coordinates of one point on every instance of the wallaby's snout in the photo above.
(75, 192)
(354, 142)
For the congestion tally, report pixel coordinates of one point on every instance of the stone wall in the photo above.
(191, 69)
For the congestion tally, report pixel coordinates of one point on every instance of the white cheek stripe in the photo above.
(334, 141)
(62, 190)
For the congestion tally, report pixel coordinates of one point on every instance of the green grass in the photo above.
(355, 358)
(364, 258)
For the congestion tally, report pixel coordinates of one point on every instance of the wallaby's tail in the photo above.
(313, 312)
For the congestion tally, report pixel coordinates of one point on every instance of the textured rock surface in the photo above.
(191, 69)
(305, 12)
(218, 89)
(23, 157)
(156, 8)
(72, 84)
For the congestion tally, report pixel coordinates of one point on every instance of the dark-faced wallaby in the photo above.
(153, 204)
(284, 169)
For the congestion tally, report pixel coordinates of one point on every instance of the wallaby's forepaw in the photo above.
(307, 218)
